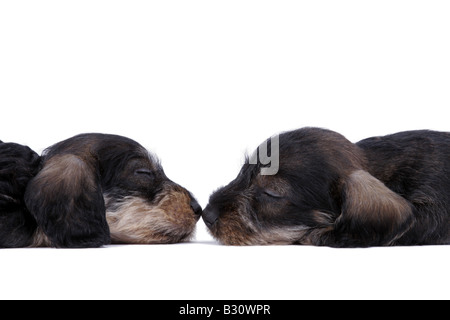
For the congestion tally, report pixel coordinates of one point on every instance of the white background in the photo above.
(200, 83)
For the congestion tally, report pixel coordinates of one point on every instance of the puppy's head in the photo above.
(94, 189)
(142, 204)
(321, 195)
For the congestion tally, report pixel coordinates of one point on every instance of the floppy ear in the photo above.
(372, 214)
(66, 200)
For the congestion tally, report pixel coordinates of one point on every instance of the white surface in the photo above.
(209, 271)
(199, 83)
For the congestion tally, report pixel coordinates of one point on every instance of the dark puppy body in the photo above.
(416, 166)
(94, 189)
(392, 190)
(18, 164)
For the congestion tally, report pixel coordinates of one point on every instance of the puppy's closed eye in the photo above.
(272, 194)
(144, 172)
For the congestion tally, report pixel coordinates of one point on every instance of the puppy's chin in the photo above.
(276, 236)
(236, 229)
(133, 220)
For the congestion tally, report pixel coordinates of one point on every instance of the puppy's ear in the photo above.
(66, 200)
(372, 214)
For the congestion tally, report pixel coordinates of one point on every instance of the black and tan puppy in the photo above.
(383, 191)
(88, 191)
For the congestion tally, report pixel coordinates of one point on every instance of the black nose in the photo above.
(196, 207)
(210, 216)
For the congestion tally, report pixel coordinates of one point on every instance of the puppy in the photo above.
(382, 191)
(94, 189)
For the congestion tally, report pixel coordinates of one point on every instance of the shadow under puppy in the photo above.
(94, 189)
(382, 191)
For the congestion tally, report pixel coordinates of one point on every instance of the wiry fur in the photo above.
(89, 190)
(169, 222)
(382, 191)
(18, 164)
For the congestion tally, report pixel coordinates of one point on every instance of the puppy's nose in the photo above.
(210, 216)
(196, 207)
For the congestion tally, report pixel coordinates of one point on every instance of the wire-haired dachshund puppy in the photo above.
(88, 191)
(382, 191)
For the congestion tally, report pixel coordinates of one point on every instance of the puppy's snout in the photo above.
(210, 216)
(196, 207)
